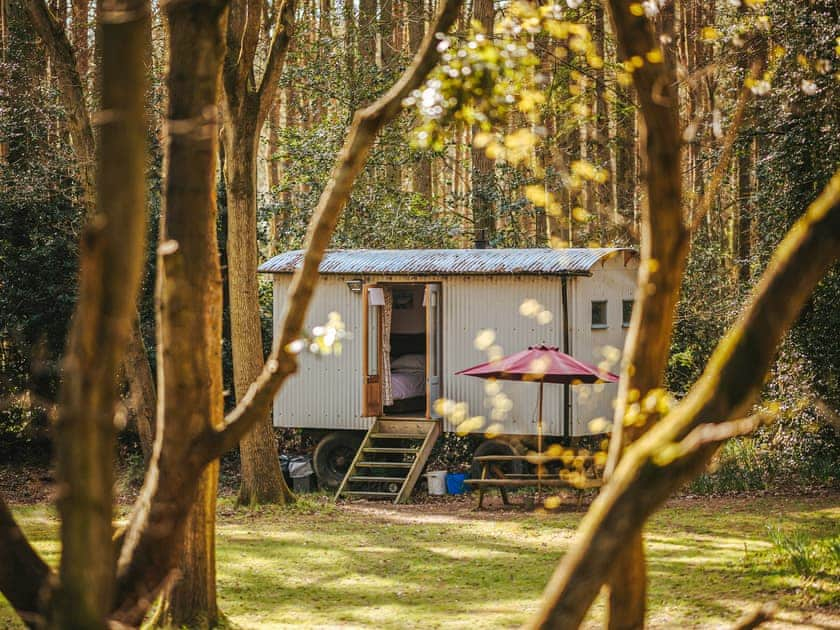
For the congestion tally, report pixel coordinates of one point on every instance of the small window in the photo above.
(626, 312)
(599, 314)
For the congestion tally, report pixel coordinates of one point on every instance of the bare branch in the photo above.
(717, 433)
(366, 125)
(283, 31)
(243, 36)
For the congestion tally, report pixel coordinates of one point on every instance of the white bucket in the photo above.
(437, 482)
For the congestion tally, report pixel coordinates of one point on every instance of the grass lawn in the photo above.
(440, 565)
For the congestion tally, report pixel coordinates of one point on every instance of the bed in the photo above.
(408, 374)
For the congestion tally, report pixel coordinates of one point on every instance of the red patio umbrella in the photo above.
(543, 364)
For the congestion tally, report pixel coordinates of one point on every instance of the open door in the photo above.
(372, 364)
(433, 348)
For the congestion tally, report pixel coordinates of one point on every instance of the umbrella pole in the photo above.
(539, 442)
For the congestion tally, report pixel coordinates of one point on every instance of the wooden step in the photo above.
(361, 478)
(399, 436)
(416, 429)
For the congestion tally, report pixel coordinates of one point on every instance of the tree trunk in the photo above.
(191, 600)
(190, 292)
(262, 479)
(73, 90)
(664, 238)
(602, 192)
(386, 32)
(141, 390)
(483, 168)
(745, 211)
(367, 34)
(349, 17)
(111, 266)
(246, 106)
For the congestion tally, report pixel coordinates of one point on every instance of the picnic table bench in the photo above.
(493, 476)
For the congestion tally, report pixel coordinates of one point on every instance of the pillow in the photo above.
(410, 363)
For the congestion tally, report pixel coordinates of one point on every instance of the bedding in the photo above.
(408, 384)
(409, 363)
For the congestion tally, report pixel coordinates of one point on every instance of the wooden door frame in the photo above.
(366, 385)
(439, 339)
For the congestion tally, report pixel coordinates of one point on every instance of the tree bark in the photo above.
(111, 262)
(141, 390)
(189, 334)
(79, 31)
(602, 199)
(190, 293)
(664, 248)
(483, 168)
(422, 173)
(245, 109)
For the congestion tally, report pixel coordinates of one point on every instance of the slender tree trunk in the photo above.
(386, 32)
(262, 480)
(79, 33)
(111, 266)
(367, 34)
(745, 211)
(246, 107)
(73, 96)
(664, 239)
(141, 391)
(349, 17)
(483, 168)
(602, 193)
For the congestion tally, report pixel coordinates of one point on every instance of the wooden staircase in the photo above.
(390, 459)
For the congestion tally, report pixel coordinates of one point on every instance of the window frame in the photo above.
(592, 323)
(625, 323)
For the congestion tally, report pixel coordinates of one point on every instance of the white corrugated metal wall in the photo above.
(471, 304)
(613, 280)
(326, 391)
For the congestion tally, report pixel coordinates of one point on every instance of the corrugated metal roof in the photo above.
(440, 262)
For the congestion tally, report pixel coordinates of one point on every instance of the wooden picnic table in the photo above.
(493, 476)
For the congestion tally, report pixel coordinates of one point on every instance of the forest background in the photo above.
(764, 153)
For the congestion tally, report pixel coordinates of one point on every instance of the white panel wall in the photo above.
(613, 281)
(471, 304)
(326, 391)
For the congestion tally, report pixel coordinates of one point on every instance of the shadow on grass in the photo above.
(434, 566)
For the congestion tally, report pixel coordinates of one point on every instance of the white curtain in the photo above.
(387, 310)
